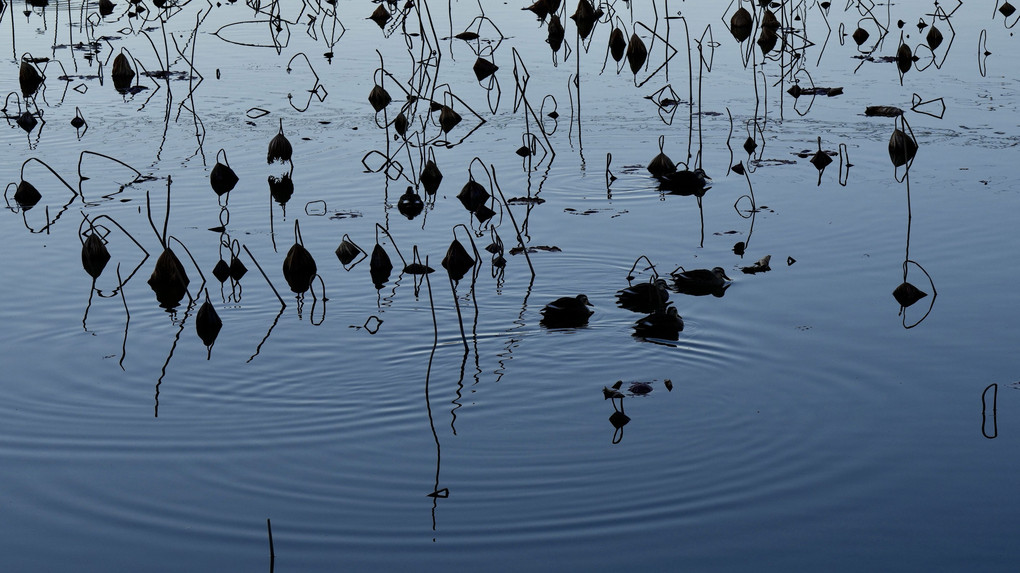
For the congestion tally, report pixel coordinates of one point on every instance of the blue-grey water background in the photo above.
(802, 425)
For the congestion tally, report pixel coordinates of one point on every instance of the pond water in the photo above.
(802, 419)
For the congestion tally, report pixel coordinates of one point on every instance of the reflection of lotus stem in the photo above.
(378, 228)
(513, 220)
(265, 276)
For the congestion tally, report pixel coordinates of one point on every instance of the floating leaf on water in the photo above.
(431, 177)
(640, 388)
(448, 119)
(617, 44)
(380, 16)
(27, 121)
(637, 53)
(299, 268)
(467, 36)
(29, 78)
(410, 204)
(484, 68)
(26, 195)
(934, 38)
(279, 147)
(907, 294)
(611, 393)
(457, 261)
(379, 98)
(761, 266)
(473, 195)
(556, 33)
(207, 323)
(669, 384)
(741, 24)
(860, 36)
(94, 255)
(418, 269)
(882, 111)
(902, 148)
(904, 58)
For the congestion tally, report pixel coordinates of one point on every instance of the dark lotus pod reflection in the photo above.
(617, 44)
(169, 280)
(540, 8)
(907, 294)
(457, 261)
(637, 53)
(473, 195)
(431, 177)
(400, 124)
(380, 16)
(29, 78)
(299, 268)
(121, 73)
(904, 58)
(410, 204)
(105, 7)
(556, 33)
(222, 178)
(860, 36)
(750, 145)
(483, 213)
(379, 266)
(619, 419)
(767, 40)
(237, 268)
(585, 16)
(221, 271)
(741, 24)
(347, 251)
(379, 98)
(207, 323)
(281, 188)
(769, 20)
(27, 122)
(902, 148)
(26, 195)
(934, 38)
(448, 119)
(484, 68)
(94, 255)
(280, 148)
(1007, 9)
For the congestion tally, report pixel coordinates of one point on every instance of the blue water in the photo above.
(796, 424)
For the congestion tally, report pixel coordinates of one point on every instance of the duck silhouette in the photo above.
(644, 297)
(700, 282)
(685, 182)
(567, 312)
(665, 324)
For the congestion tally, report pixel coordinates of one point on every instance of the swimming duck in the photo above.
(644, 297)
(685, 182)
(566, 312)
(702, 281)
(665, 324)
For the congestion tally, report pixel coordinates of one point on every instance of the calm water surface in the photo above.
(795, 425)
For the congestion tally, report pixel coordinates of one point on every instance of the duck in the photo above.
(701, 281)
(685, 182)
(644, 297)
(665, 324)
(567, 311)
